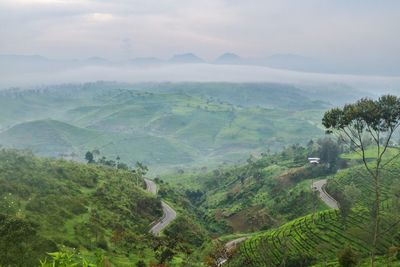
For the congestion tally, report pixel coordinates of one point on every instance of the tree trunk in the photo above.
(377, 220)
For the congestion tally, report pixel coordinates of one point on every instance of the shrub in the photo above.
(347, 257)
(299, 261)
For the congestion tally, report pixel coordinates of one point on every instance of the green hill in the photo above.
(267, 95)
(49, 205)
(48, 137)
(262, 194)
(190, 124)
(321, 237)
(58, 139)
(312, 240)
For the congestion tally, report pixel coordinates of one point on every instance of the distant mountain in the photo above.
(29, 59)
(23, 58)
(22, 64)
(229, 58)
(293, 62)
(146, 61)
(96, 61)
(186, 58)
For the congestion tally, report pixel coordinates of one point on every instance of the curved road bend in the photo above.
(169, 213)
(325, 197)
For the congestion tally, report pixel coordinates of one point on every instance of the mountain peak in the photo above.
(287, 56)
(229, 58)
(145, 61)
(186, 58)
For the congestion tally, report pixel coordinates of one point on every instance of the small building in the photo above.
(314, 160)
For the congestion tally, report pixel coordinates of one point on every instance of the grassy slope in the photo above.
(48, 137)
(82, 206)
(261, 194)
(269, 95)
(188, 123)
(320, 239)
(323, 236)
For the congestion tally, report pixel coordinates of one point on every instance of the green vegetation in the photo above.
(57, 212)
(314, 238)
(191, 124)
(89, 213)
(261, 194)
(367, 222)
(57, 205)
(347, 257)
(376, 121)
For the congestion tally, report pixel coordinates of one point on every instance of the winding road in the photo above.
(325, 197)
(169, 213)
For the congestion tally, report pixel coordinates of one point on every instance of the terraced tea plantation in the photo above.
(317, 238)
(357, 177)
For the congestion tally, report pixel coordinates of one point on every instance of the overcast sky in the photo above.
(362, 31)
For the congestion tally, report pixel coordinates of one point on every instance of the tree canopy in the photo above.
(364, 123)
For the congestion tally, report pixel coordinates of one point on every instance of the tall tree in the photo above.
(89, 157)
(328, 151)
(141, 169)
(357, 124)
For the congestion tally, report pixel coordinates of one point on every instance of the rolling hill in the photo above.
(190, 124)
(48, 137)
(50, 205)
(261, 194)
(319, 238)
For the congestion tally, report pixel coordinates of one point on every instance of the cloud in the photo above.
(351, 33)
(100, 17)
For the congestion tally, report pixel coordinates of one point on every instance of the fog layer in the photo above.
(188, 72)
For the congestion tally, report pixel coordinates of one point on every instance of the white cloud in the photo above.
(349, 32)
(39, 2)
(100, 17)
(33, 2)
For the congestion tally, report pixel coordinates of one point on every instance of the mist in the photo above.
(191, 72)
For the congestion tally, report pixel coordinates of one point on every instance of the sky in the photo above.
(347, 32)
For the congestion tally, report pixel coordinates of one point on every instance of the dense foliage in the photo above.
(48, 204)
(374, 120)
(260, 194)
(326, 235)
(187, 123)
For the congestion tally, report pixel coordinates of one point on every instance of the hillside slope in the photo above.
(48, 137)
(189, 123)
(313, 239)
(51, 205)
(59, 139)
(261, 194)
(320, 237)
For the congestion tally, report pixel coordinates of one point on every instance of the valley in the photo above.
(185, 174)
(191, 124)
(214, 133)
